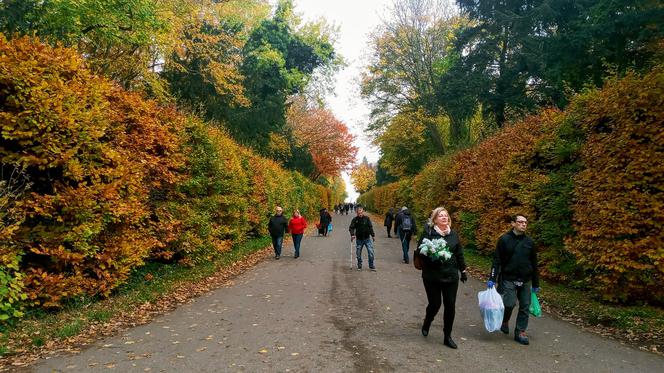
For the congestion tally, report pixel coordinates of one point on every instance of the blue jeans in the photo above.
(370, 251)
(405, 243)
(277, 241)
(297, 239)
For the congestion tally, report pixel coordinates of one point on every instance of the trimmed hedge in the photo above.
(590, 180)
(116, 180)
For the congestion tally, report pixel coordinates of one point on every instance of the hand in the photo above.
(464, 278)
(535, 290)
(373, 238)
(352, 238)
(490, 284)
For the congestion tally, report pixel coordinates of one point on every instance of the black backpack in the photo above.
(406, 223)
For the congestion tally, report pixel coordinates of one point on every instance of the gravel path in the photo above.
(315, 314)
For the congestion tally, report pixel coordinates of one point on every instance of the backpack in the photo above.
(406, 223)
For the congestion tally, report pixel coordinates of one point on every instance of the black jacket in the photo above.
(325, 218)
(438, 270)
(515, 258)
(389, 218)
(361, 227)
(277, 225)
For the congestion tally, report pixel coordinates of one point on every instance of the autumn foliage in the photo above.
(326, 137)
(115, 180)
(589, 179)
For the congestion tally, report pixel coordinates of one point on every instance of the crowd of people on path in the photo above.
(439, 255)
(345, 208)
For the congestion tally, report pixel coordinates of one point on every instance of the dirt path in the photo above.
(314, 314)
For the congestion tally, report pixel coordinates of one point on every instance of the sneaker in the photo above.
(505, 328)
(373, 269)
(277, 257)
(359, 268)
(521, 337)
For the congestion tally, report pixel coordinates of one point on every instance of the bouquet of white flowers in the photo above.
(435, 249)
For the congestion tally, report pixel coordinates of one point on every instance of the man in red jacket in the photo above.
(296, 226)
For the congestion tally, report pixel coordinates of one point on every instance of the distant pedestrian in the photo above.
(325, 220)
(296, 226)
(389, 218)
(361, 231)
(277, 226)
(440, 270)
(406, 230)
(514, 270)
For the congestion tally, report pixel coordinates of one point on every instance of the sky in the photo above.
(355, 20)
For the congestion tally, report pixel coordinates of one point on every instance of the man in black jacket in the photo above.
(277, 226)
(361, 228)
(515, 268)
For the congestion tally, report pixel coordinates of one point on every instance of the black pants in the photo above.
(448, 291)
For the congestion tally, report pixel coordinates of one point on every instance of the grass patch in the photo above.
(576, 304)
(146, 284)
(70, 329)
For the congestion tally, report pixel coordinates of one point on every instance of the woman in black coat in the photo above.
(441, 276)
(389, 218)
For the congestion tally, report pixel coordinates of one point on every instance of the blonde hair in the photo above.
(435, 213)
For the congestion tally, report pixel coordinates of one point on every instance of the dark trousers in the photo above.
(405, 244)
(389, 229)
(512, 293)
(447, 291)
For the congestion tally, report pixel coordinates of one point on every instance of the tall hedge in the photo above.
(590, 180)
(114, 180)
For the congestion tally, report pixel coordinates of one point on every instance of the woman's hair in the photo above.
(435, 213)
(296, 211)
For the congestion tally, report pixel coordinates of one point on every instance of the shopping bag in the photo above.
(329, 228)
(491, 309)
(534, 308)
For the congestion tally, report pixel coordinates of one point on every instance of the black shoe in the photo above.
(447, 341)
(505, 329)
(277, 257)
(373, 269)
(296, 256)
(425, 328)
(521, 337)
(389, 236)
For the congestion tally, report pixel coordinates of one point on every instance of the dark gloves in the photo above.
(464, 278)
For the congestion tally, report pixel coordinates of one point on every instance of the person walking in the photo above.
(442, 261)
(514, 270)
(296, 226)
(389, 218)
(361, 231)
(277, 226)
(406, 230)
(325, 220)
(397, 219)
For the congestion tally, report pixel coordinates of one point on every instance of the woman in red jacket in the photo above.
(296, 226)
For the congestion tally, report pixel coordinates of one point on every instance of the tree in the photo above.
(404, 144)
(408, 56)
(327, 138)
(363, 176)
(278, 61)
(204, 70)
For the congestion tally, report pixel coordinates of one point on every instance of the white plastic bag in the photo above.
(491, 308)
